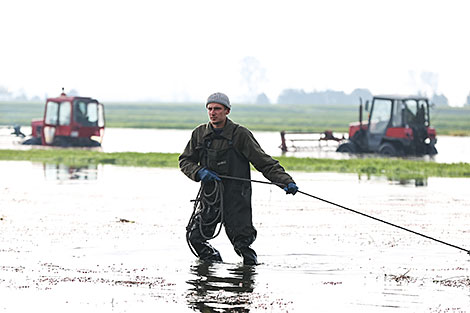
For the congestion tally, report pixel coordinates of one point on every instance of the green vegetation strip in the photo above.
(391, 168)
(275, 117)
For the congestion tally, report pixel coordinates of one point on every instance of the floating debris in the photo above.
(401, 278)
(454, 282)
(123, 220)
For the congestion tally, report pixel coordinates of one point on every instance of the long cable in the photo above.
(351, 210)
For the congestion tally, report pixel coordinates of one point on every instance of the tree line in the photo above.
(334, 97)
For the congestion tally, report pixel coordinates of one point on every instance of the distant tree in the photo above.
(72, 93)
(253, 75)
(365, 94)
(440, 100)
(467, 104)
(328, 97)
(4, 93)
(21, 96)
(292, 96)
(262, 99)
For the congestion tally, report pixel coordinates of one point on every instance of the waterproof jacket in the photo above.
(237, 137)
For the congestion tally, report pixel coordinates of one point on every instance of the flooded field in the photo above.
(112, 239)
(451, 149)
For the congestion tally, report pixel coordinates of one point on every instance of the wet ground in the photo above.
(112, 239)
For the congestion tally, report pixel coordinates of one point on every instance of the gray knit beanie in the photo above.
(219, 98)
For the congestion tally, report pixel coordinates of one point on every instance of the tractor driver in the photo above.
(409, 116)
(80, 115)
(222, 147)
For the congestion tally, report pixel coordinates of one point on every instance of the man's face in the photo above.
(217, 114)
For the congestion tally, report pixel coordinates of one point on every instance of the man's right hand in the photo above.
(206, 175)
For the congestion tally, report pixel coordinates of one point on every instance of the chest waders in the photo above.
(227, 202)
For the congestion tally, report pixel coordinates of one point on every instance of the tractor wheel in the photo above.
(32, 141)
(62, 142)
(431, 150)
(347, 147)
(387, 149)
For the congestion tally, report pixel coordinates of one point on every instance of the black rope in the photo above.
(351, 210)
(210, 198)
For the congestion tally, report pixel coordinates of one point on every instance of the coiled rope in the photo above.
(209, 203)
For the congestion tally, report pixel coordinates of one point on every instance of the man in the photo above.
(222, 147)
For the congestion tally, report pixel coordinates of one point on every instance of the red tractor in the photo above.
(397, 126)
(69, 121)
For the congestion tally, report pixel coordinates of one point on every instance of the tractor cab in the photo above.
(70, 121)
(396, 125)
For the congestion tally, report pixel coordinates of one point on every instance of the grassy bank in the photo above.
(391, 168)
(276, 117)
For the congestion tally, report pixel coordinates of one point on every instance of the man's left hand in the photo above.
(291, 188)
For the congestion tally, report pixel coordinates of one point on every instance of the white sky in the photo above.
(185, 50)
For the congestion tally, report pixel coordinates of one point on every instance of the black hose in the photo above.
(210, 198)
(351, 210)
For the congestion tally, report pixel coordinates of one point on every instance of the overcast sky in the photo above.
(184, 50)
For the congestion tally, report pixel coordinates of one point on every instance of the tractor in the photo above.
(396, 126)
(69, 121)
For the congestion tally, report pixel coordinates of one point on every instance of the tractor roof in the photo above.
(69, 98)
(401, 97)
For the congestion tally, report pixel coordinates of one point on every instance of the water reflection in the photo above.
(407, 181)
(220, 287)
(63, 172)
(418, 182)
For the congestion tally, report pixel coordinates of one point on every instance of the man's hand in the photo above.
(291, 188)
(206, 175)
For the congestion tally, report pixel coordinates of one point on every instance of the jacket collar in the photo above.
(226, 133)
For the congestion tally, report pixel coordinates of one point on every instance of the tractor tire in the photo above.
(62, 142)
(347, 147)
(431, 150)
(32, 141)
(387, 149)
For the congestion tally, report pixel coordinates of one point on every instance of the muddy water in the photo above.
(112, 239)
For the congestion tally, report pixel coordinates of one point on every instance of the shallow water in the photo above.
(112, 239)
(451, 149)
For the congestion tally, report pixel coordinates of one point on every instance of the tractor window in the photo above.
(92, 112)
(52, 111)
(86, 113)
(380, 115)
(422, 116)
(409, 111)
(100, 115)
(64, 113)
(396, 114)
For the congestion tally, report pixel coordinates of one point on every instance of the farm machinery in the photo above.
(69, 121)
(396, 126)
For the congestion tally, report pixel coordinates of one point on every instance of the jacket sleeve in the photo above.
(189, 159)
(264, 163)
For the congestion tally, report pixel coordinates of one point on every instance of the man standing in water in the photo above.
(222, 147)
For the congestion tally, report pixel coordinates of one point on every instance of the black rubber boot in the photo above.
(249, 256)
(203, 249)
(210, 255)
(206, 252)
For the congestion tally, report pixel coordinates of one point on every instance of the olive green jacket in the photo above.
(243, 141)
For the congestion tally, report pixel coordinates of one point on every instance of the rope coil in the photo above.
(208, 210)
